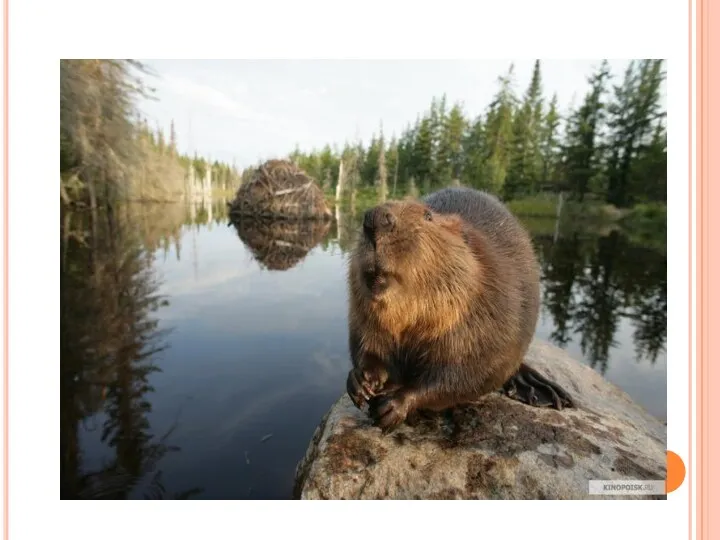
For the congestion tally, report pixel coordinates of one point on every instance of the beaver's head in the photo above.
(408, 249)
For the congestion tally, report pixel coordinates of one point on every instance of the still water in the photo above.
(197, 358)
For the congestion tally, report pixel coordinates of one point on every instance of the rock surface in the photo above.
(496, 448)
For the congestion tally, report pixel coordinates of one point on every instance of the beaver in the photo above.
(444, 298)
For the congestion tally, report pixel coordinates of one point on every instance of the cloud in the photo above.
(208, 96)
(313, 91)
(213, 97)
(208, 281)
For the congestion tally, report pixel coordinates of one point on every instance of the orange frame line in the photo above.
(706, 77)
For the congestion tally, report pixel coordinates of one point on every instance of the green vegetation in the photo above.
(542, 205)
(107, 153)
(606, 155)
(646, 224)
(646, 214)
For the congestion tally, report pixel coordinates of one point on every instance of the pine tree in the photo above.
(648, 173)
(525, 167)
(474, 153)
(550, 145)
(382, 176)
(370, 162)
(422, 152)
(329, 166)
(499, 133)
(632, 114)
(438, 127)
(449, 155)
(406, 143)
(393, 163)
(583, 153)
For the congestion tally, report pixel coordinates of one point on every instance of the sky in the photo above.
(245, 111)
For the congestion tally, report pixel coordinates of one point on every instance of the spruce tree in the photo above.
(450, 148)
(499, 134)
(422, 151)
(550, 146)
(583, 153)
(525, 166)
(633, 112)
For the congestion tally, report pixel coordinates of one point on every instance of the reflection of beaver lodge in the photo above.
(279, 189)
(280, 245)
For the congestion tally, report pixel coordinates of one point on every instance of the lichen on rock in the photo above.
(496, 448)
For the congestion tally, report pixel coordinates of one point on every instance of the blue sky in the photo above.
(244, 111)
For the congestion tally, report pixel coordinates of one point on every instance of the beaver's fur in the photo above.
(444, 297)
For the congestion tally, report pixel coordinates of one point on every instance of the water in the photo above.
(197, 360)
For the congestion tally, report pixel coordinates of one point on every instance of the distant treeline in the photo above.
(107, 152)
(611, 147)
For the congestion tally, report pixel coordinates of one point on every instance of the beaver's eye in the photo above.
(428, 216)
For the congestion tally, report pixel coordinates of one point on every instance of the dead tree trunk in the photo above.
(340, 183)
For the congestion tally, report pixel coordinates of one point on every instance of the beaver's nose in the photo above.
(378, 220)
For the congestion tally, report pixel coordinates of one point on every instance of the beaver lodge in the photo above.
(278, 189)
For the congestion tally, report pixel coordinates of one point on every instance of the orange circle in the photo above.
(675, 472)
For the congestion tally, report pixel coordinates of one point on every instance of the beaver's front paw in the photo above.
(373, 380)
(389, 411)
(356, 389)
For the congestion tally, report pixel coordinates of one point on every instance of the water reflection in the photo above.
(110, 337)
(280, 245)
(591, 282)
(179, 357)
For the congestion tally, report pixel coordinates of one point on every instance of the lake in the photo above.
(198, 358)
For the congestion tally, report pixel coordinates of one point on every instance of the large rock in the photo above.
(496, 448)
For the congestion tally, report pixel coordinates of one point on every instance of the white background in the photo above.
(42, 32)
